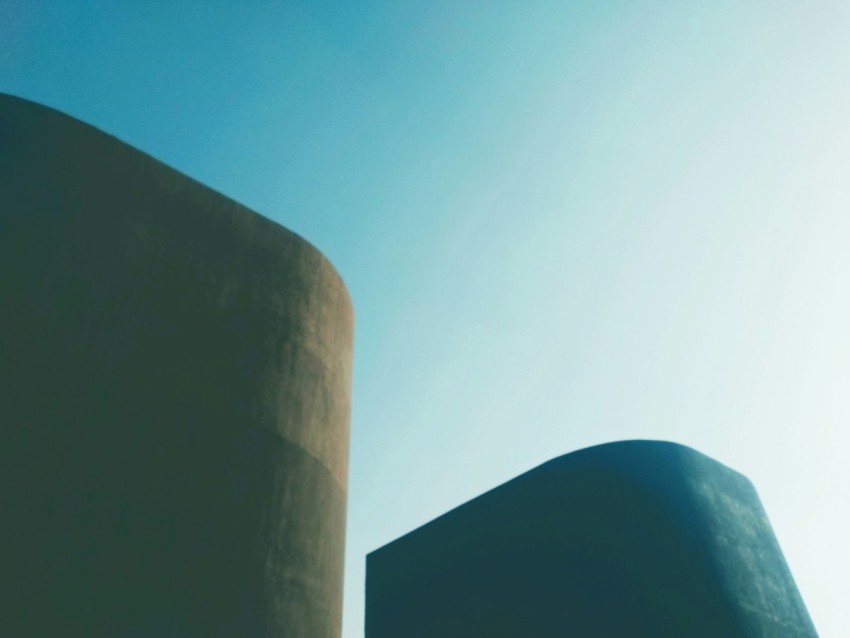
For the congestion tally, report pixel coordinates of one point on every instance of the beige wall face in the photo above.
(175, 381)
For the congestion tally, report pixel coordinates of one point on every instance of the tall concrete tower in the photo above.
(643, 539)
(174, 400)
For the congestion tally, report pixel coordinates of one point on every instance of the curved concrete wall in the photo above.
(174, 388)
(639, 538)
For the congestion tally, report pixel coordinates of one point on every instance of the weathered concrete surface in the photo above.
(639, 538)
(174, 398)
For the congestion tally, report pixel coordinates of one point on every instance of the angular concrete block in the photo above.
(174, 399)
(641, 539)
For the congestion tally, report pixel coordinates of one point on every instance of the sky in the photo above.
(561, 224)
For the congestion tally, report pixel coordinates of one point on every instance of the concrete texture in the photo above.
(640, 539)
(174, 399)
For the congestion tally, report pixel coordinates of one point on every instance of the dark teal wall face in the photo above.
(640, 539)
(174, 387)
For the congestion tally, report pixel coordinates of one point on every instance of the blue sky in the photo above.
(561, 223)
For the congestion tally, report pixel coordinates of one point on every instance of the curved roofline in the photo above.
(8, 100)
(565, 460)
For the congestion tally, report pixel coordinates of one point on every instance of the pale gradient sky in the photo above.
(561, 223)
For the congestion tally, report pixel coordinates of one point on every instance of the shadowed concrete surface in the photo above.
(174, 398)
(634, 539)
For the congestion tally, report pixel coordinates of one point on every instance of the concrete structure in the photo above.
(640, 539)
(174, 398)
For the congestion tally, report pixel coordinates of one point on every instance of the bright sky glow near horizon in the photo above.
(561, 224)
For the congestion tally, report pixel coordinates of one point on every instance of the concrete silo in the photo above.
(643, 539)
(174, 397)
